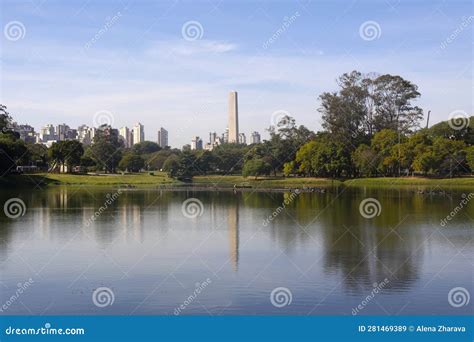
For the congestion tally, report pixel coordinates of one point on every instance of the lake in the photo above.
(153, 252)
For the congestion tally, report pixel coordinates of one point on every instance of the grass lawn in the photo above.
(134, 179)
(263, 182)
(412, 181)
(160, 178)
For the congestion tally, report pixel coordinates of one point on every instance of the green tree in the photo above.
(171, 165)
(156, 160)
(146, 147)
(366, 160)
(66, 153)
(345, 113)
(393, 99)
(12, 150)
(106, 150)
(131, 162)
(324, 157)
(290, 168)
(38, 155)
(256, 167)
(470, 157)
(5, 119)
(383, 144)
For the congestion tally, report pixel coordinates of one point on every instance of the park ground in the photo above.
(160, 179)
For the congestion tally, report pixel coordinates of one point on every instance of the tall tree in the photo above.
(106, 150)
(393, 97)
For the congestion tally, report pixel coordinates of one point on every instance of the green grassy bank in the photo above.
(161, 179)
(133, 179)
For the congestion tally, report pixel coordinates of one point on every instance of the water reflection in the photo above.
(320, 235)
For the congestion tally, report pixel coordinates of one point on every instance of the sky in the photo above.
(172, 64)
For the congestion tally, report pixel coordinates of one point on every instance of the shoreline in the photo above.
(160, 181)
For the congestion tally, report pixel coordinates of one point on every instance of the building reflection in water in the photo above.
(233, 226)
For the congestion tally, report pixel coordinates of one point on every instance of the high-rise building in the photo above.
(127, 137)
(162, 137)
(27, 132)
(46, 133)
(255, 139)
(196, 143)
(138, 133)
(233, 123)
(212, 137)
(225, 136)
(62, 132)
(242, 138)
(85, 134)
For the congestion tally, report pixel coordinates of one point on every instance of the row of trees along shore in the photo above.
(371, 128)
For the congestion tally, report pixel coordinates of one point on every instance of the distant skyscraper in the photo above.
(242, 138)
(162, 137)
(126, 136)
(196, 143)
(225, 136)
(212, 137)
(85, 134)
(233, 118)
(27, 132)
(47, 133)
(255, 138)
(138, 133)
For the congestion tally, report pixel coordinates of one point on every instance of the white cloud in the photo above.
(172, 82)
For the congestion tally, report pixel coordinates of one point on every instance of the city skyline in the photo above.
(49, 133)
(57, 72)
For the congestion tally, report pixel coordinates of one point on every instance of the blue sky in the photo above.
(131, 59)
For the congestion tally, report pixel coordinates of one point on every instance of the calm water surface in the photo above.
(153, 257)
